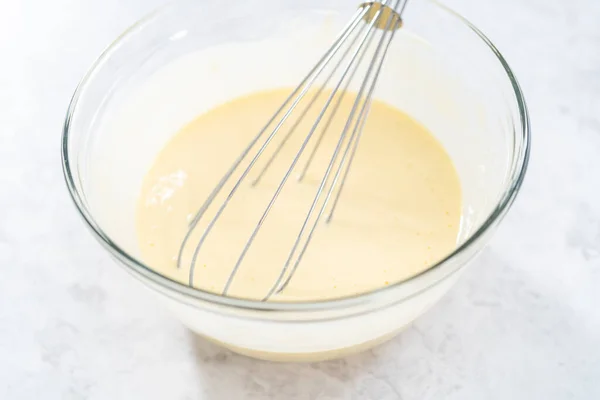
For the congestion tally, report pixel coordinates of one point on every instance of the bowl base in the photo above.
(307, 357)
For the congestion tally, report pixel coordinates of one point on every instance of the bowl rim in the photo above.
(141, 270)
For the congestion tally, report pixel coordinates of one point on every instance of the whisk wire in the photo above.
(305, 85)
(358, 15)
(373, 14)
(362, 117)
(308, 107)
(295, 161)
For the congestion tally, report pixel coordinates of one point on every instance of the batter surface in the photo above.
(399, 212)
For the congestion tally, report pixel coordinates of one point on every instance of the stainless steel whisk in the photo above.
(371, 18)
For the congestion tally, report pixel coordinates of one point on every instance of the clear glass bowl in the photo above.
(161, 72)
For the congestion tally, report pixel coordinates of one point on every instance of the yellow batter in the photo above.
(399, 212)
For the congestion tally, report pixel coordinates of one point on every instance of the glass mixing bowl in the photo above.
(192, 54)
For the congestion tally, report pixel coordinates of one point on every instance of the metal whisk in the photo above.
(372, 19)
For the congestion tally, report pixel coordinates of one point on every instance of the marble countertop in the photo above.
(523, 323)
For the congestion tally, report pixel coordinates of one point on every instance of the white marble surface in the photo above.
(524, 323)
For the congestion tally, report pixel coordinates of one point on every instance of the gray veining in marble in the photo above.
(523, 323)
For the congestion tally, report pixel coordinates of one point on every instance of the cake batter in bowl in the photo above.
(400, 211)
(185, 62)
